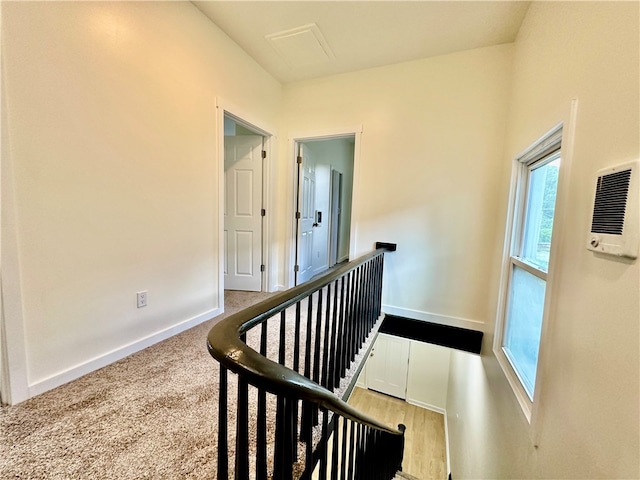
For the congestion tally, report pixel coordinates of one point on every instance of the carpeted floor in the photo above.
(149, 415)
(152, 415)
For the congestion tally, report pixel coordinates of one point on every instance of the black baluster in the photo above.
(359, 453)
(323, 444)
(374, 293)
(358, 308)
(307, 434)
(242, 427)
(378, 291)
(371, 294)
(352, 450)
(307, 408)
(334, 347)
(296, 365)
(358, 312)
(349, 320)
(339, 371)
(365, 300)
(374, 449)
(296, 345)
(400, 448)
(292, 433)
(285, 439)
(361, 305)
(223, 446)
(364, 463)
(261, 434)
(380, 280)
(334, 448)
(316, 353)
(308, 352)
(326, 351)
(354, 315)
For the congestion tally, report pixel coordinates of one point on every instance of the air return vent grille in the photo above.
(615, 225)
(610, 205)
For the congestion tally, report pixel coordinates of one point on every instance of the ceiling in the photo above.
(354, 35)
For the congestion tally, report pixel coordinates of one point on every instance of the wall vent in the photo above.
(614, 219)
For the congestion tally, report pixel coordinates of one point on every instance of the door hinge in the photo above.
(264, 154)
(296, 268)
(297, 215)
(299, 159)
(262, 268)
(263, 212)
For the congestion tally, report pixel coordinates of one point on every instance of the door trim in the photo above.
(335, 196)
(224, 107)
(14, 373)
(293, 140)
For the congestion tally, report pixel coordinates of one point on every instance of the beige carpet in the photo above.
(150, 415)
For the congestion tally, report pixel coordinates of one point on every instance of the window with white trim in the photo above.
(524, 285)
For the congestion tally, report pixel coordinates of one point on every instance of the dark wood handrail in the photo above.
(225, 345)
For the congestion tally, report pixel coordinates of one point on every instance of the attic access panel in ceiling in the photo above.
(303, 45)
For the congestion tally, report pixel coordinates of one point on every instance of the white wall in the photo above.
(588, 425)
(110, 109)
(432, 141)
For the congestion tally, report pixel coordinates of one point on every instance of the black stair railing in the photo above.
(281, 412)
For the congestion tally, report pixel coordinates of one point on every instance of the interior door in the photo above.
(242, 213)
(388, 365)
(306, 208)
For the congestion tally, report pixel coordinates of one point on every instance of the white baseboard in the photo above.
(320, 269)
(94, 364)
(433, 408)
(434, 317)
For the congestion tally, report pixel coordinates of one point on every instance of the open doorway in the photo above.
(323, 204)
(244, 206)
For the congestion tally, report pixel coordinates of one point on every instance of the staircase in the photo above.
(286, 367)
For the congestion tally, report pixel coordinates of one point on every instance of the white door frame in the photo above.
(14, 375)
(335, 207)
(293, 141)
(223, 107)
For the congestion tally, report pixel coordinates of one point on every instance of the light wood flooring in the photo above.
(425, 451)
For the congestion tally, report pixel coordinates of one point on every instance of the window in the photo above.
(524, 285)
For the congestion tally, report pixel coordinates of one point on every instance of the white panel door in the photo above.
(242, 213)
(388, 365)
(306, 224)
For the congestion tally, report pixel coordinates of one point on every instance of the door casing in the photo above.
(241, 117)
